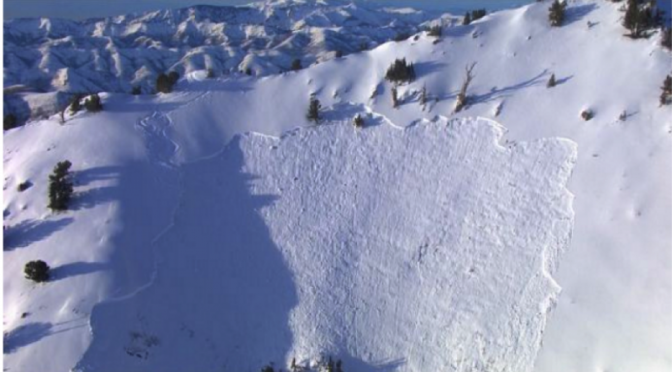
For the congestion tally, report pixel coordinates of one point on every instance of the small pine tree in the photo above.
(296, 65)
(435, 31)
(551, 82)
(37, 271)
(587, 114)
(173, 77)
(338, 54)
(339, 366)
(248, 71)
(466, 21)
(666, 94)
(314, 110)
(358, 121)
(75, 105)
(395, 97)
(556, 14)
(10, 122)
(666, 37)
(60, 186)
(423, 96)
(163, 84)
(23, 186)
(400, 71)
(92, 104)
(136, 90)
(211, 73)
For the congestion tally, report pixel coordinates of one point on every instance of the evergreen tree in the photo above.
(358, 121)
(296, 65)
(60, 186)
(10, 122)
(75, 105)
(551, 82)
(435, 31)
(666, 94)
(556, 13)
(136, 91)
(314, 110)
(423, 96)
(37, 271)
(339, 366)
(173, 77)
(338, 54)
(163, 84)
(400, 71)
(467, 19)
(666, 37)
(92, 104)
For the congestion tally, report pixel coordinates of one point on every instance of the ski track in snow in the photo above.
(323, 285)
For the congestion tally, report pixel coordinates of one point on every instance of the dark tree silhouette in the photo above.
(60, 186)
(37, 271)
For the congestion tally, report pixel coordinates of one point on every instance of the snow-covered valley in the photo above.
(214, 228)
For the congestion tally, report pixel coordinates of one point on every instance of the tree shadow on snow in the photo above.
(577, 13)
(30, 231)
(222, 293)
(24, 335)
(423, 69)
(76, 269)
(31, 333)
(497, 93)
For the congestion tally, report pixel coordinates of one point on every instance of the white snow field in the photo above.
(214, 228)
(426, 248)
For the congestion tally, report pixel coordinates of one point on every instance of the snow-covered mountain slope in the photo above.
(425, 240)
(117, 53)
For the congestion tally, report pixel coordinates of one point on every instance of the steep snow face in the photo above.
(614, 310)
(428, 248)
(116, 53)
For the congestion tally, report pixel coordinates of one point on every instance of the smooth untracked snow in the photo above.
(426, 248)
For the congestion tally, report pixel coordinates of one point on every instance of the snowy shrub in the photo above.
(37, 271)
(10, 122)
(556, 13)
(296, 64)
(314, 110)
(400, 71)
(551, 82)
(60, 186)
(23, 186)
(666, 94)
(587, 114)
(423, 96)
(358, 121)
(92, 104)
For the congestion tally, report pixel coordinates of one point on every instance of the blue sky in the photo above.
(79, 9)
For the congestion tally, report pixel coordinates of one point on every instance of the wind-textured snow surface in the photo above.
(423, 248)
(150, 171)
(116, 53)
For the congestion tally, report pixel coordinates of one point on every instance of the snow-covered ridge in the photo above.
(117, 53)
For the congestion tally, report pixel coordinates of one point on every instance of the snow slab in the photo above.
(332, 241)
